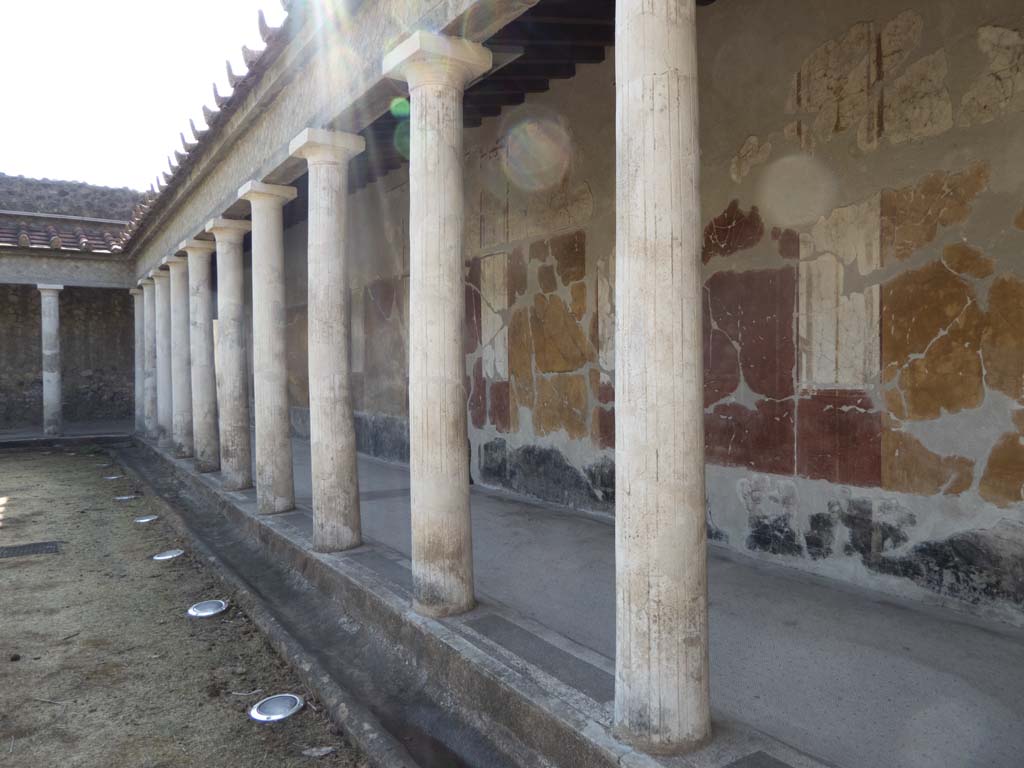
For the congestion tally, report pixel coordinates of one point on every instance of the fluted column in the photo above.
(661, 660)
(437, 69)
(275, 489)
(53, 407)
(139, 359)
(149, 358)
(232, 373)
(181, 356)
(206, 442)
(332, 431)
(161, 277)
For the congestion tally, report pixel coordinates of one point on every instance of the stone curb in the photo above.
(355, 720)
(42, 441)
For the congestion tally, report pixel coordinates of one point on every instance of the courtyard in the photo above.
(570, 383)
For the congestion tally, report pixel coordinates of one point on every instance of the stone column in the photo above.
(331, 423)
(661, 660)
(275, 490)
(181, 359)
(161, 277)
(140, 355)
(232, 371)
(149, 358)
(204, 384)
(437, 69)
(53, 409)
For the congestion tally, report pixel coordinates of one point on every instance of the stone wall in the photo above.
(21, 364)
(97, 354)
(864, 369)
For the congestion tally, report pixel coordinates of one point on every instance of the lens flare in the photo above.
(795, 191)
(538, 151)
(400, 107)
(401, 138)
(480, 21)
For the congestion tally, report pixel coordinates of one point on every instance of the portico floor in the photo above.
(847, 676)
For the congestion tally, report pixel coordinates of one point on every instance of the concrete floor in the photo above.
(845, 675)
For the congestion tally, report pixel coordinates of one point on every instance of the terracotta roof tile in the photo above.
(59, 233)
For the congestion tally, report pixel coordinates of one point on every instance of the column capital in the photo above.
(47, 287)
(427, 58)
(146, 282)
(197, 247)
(316, 145)
(158, 274)
(135, 291)
(228, 230)
(172, 260)
(257, 190)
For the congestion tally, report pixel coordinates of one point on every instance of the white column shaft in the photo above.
(139, 359)
(442, 546)
(336, 523)
(437, 69)
(149, 359)
(163, 358)
(275, 490)
(232, 369)
(181, 356)
(661, 684)
(53, 414)
(204, 383)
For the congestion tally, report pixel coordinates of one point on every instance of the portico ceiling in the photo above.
(551, 40)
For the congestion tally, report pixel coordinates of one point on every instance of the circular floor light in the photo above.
(169, 554)
(147, 518)
(274, 708)
(207, 608)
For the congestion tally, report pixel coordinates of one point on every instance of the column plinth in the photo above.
(53, 411)
(149, 359)
(336, 522)
(164, 419)
(661, 660)
(275, 489)
(232, 375)
(206, 442)
(437, 69)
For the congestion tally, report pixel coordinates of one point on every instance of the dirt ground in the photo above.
(99, 664)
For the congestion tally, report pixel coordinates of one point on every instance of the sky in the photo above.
(98, 90)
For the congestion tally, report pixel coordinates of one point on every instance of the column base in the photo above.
(235, 485)
(273, 506)
(661, 748)
(442, 611)
(326, 542)
(205, 467)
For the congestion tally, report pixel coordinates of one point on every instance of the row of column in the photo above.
(661, 699)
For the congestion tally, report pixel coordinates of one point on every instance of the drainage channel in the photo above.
(357, 658)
